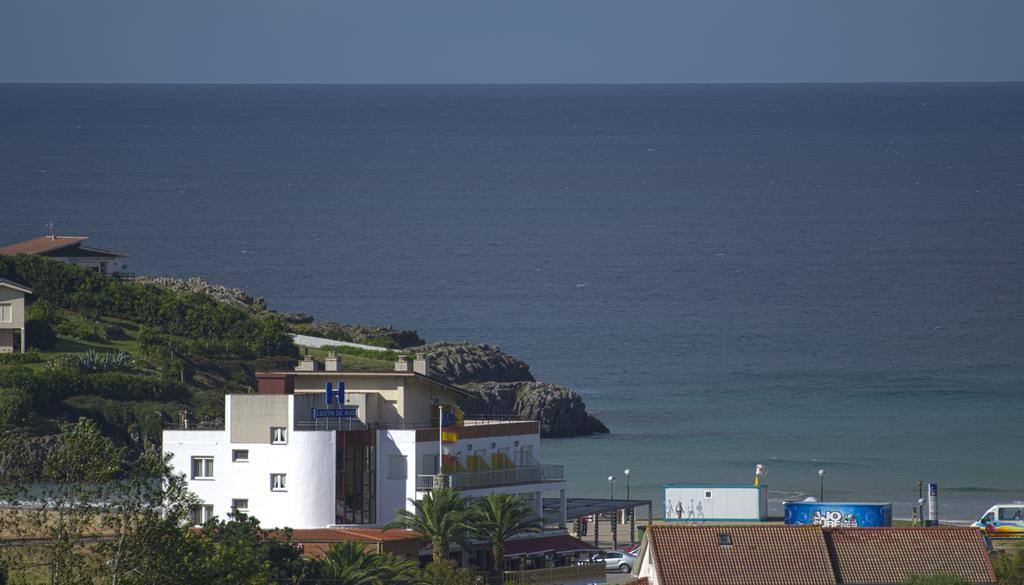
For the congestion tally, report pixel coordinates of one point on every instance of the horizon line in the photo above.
(513, 84)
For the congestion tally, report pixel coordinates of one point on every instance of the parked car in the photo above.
(615, 560)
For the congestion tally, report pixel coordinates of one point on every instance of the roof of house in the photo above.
(757, 554)
(879, 556)
(51, 244)
(356, 534)
(557, 543)
(368, 374)
(11, 284)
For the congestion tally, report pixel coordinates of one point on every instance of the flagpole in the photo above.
(440, 440)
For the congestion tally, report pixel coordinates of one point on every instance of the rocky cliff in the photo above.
(561, 411)
(503, 385)
(462, 363)
(224, 294)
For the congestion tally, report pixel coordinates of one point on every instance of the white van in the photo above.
(1003, 521)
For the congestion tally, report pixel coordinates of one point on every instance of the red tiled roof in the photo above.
(880, 556)
(343, 534)
(41, 244)
(47, 245)
(760, 554)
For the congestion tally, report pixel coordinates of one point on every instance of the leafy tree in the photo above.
(239, 552)
(499, 517)
(89, 486)
(440, 517)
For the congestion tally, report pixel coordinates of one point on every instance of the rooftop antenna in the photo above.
(50, 226)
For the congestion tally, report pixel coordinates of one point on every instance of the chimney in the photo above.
(421, 365)
(308, 364)
(333, 362)
(183, 419)
(402, 364)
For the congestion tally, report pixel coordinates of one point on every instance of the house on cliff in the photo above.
(72, 249)
(12, 315)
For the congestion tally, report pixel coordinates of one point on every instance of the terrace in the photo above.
(468, 480)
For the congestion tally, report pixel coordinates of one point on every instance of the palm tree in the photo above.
(440, 517)
(499, 517)
(348, 563)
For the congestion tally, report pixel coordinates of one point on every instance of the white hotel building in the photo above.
(281, 461)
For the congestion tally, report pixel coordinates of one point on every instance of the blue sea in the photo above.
(803, 276)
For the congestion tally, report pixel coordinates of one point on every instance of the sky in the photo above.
(510, 41)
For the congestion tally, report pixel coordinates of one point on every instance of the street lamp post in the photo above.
(614, 516)
(630, 512)
(821, 486)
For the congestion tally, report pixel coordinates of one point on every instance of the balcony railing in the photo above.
(468, 480)
(354, 424)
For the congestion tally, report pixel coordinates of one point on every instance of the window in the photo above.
(240, 455)
(278, 482)
(428, 465)
(202, 468)
(6, 313)
(398, 466)
(724, 539)
(1009, 514)
(240, 505)
(201, 514)
(278, 435)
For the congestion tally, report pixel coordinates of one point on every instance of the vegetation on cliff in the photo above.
(131, 355)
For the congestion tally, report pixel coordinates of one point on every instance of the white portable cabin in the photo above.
(690, 502)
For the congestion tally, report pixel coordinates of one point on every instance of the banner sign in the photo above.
(839, 514)
(334, 412)
(331, 396)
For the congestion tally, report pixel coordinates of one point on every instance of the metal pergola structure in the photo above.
(599, 508)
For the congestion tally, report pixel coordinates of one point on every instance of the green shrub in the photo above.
(382, 341)
(39, 334)
(385, 356)
(13, 359)
(1009, 566)
(122, 386)
(15, 405)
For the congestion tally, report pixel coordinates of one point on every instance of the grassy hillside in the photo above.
(128, 355)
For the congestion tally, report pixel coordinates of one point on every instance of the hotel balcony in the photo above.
(468, 480)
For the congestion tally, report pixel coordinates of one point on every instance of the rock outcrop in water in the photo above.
(561, 411)
(462, 363)
(503, 385)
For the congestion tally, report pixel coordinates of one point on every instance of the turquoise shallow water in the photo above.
(801, 276)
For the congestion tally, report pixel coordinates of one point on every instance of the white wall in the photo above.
(308, 460)
(393, 493)
(725, 503)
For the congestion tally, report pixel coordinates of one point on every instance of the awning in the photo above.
(560, 544)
